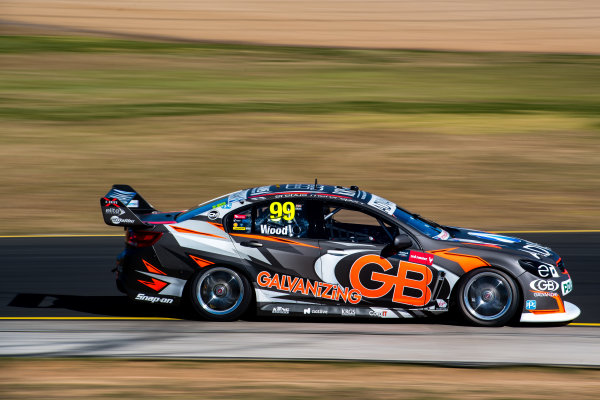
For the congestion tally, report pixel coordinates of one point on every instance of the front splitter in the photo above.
(571, 312)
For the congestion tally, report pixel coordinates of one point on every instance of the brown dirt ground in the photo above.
(570, 26)
(101, 379)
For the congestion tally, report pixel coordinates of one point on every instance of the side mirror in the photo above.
(400, 242)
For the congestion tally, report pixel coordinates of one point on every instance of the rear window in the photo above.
(202, 208)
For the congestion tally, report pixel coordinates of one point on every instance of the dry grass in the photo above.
(101, 379)
(493, 181)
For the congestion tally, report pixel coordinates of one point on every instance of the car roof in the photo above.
(237, 199)
(316, 190)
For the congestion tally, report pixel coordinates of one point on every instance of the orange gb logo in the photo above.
(398, 282)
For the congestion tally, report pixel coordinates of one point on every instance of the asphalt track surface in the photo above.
(57, 298)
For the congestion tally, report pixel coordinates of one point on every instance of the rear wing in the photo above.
(122, 206)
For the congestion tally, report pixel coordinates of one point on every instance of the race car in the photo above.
(311, 250)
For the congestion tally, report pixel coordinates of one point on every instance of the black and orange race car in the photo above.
(317, 250)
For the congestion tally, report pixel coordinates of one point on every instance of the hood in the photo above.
(494, 241)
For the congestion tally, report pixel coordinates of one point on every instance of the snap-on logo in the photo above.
(153, 299)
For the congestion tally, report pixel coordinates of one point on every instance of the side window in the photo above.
(282, 218)
(350, 225)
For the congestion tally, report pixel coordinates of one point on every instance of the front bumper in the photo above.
(571, 312)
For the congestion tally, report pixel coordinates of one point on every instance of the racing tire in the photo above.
(220, 294)
(487, 297)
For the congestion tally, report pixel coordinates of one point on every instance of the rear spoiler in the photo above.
(122, 206)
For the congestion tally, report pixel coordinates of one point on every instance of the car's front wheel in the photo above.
(220, 294)
(488, 297)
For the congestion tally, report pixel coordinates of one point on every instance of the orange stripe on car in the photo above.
(185, 230)
(155, 284)
(559, 302)
(466, 261)
(152, 268)
(217, 225)
(273, 239)
(201, 261)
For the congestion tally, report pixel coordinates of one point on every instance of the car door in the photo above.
(276, 237)
(351, 257)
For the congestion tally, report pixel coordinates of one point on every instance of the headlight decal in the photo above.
(540, 269)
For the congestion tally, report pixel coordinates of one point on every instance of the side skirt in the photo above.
(317, 310)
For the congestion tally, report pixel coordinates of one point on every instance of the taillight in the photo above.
(142, 238)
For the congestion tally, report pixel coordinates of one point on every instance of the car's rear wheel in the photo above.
(220, 294)
(488, 297)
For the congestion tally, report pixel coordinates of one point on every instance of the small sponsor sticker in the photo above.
(378, 313)
(442, 236)
(111, 202)
(281, 310)
(309, 311)
(530, 305)
(403, 255)
(114, 211)
(348, 312)
(118, 220)
(133, 204)
(420, 258)
(382, 204)
(239, 216)
(567, 286)
(544, 294)
(213, 214)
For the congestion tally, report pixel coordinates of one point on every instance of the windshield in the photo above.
(417, 222)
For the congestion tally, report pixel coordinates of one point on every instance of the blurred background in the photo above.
(475, 113)
(481, 114)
